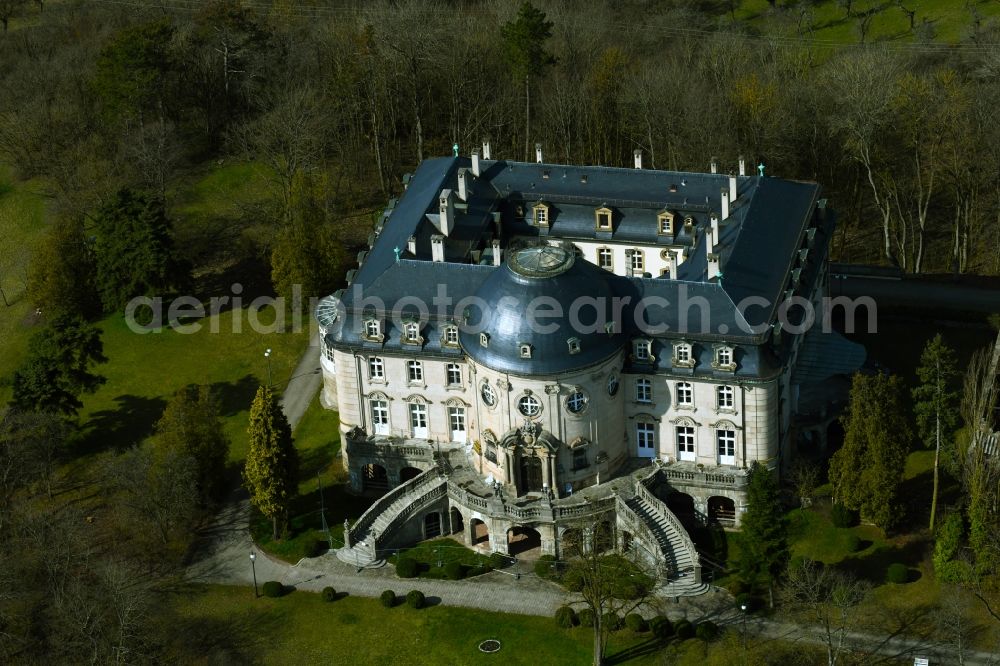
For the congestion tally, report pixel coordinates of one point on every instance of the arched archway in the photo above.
(479, 532)
(432, 525)
(457, 522)
(571, 542)
(603, 537)
(408, 473)
(524, 542)
(722, 510)
(375, 478)
(682, 506)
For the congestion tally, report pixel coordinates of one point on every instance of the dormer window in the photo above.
(642, 351)
(411, 332)
(665, 223)
(683, 356)
(602, 218)
(484, 339)
(574, 345)
(373, 329)
(451, 336)
(724, 358)
(541, 215)
(525, 349)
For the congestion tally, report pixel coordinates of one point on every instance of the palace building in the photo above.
(529, 349)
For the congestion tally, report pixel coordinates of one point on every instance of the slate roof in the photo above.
(758, 248)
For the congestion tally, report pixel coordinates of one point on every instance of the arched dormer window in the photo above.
(484, 339)
(411, 333)
(450, 337)
(683, 354)
(372, 329)
(574, 345)
(525, 349)
(724, 359)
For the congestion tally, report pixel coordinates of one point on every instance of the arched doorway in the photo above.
(571, 542)
(682, 506)
(722, 510)
(603, 537)
(432, 525)
(375, 478)
(524, 542)
(457, 523)
(531, 474)
(408, 473)
(480, 533)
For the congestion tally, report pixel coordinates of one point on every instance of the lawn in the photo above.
(226, 623)
(432, 556)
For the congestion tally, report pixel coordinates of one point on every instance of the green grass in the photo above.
(428, 554)
(302, 629)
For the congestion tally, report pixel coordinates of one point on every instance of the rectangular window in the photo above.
(541, 216)
(642, 351)
(491, 452)
(371, 328)
(380, 417)
(376, 369)
(685, 442)
(726, 440)
(604, 221)
(456, 418)
(605, 258)
(418, 420)
(451, 335)
(638, 261)
(579, 459)
(685, 394)
(682, 353)
(454, 374)
(415, 371)
(645, 439)
(666, 225)
(725, 397)
(643, 390)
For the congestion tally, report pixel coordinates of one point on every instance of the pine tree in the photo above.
(525, 41)
(190, 425)
(764, 538)
(935, 402)
(272, 466)
(868, 468)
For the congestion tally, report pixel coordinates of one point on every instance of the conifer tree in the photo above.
(764, 551)
(935, 402)
(867, 470)
(524, 39)
(272, 466)
(190, 425)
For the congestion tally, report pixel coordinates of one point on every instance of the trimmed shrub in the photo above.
(545, 566)
(498, 560)
(841, 516)
(407, 568)
(388, 598)
(316, 547)
(566, 617)
(661, 627)
(586, 617)
(454, 571)
(684, 630)
(611, 621)
(415, 599)
(897, 573)
(635, 622)
(273, 589)
(706, 631)
(329, 594)
(852, 543)
(479, 569)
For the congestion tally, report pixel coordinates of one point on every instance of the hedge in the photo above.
(635, 622)
(684, 630)
(388, 598)
(415, 599)
(611, 621)
(586, 617)
(661, 627)
(566, 617)
(329, 594)
(407, 568)
(273, 589)
(706, 631)
(454, 571)
(897, 573)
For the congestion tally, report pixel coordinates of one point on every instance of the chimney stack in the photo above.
(463, 186)
(486, 150)
(732, 188)
(712, 257)
(411, 245)
(446, 206)
(672, 264)
(496, 252)
(714, 165)
(437, 247)
(637, 153)
(538, 153)
(715, 228)
(475, 163)
(743, 166)
(725, 204)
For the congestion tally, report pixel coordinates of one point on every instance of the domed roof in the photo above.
(546, 299)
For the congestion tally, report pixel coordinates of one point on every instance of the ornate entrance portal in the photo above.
(531, 474)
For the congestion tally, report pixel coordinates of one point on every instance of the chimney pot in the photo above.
(411, 245)
(496, 253)
(725, 204)
(715, 229)
(475, 163)
(486, 150)
(446, 208)
(437, 247)
(538, 153)
(637, 154)
(672, 264)
(463, 185)
(714, 165)
(732, 188)
(743, 166)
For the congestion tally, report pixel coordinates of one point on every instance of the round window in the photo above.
(529, 405)
(489, 396)
(612, 385)
(576, 402)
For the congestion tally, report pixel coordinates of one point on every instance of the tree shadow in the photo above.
(236, 396)
(313, 461)
(872, 566)
(645, 648)
(130, 423)
(252, 274)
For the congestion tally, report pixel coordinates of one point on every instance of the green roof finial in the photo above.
(454, 149)
(760, 169)
(397, 251)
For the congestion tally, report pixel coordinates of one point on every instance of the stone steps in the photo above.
(674, 549)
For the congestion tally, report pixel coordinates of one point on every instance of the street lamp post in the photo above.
(743, 607)
(267, 355)
(253, 567)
